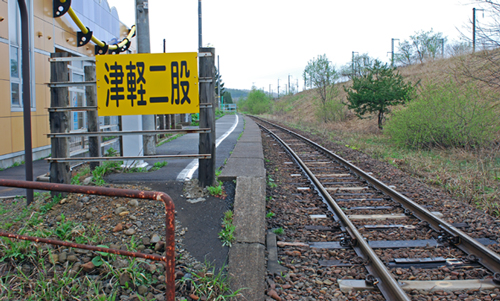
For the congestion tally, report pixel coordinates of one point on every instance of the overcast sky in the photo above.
(261, 41)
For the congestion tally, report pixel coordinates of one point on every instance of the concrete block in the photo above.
(246, 167)
(250, 210)
(248, 150)
(247, 271)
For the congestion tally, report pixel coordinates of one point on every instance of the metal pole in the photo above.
(26, 97)
(288, 83)
(392, 52)
(218, 80)
(143, 46)
(199, 25)
(278, 88)
(164, 46)
(474, 29)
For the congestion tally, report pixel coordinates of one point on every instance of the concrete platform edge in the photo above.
(247, 261)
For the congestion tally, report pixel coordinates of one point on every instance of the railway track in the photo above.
(347, 235)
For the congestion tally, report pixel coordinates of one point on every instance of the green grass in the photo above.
(216, 190)
(226, 235)
(159, 165)
(270, 182)
(279, 231)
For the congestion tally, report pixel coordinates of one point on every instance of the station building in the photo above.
(48, 35)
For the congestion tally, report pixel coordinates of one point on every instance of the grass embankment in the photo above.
(467, 172)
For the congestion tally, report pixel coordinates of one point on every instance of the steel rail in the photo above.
(464, 242)
(387, 285)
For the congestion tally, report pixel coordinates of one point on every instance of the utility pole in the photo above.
(305, 82)
(474, 27)
(278, 88)
(199, 24)
(143, 46)
(392, 51)
(270, 96)
(442, 48)
(288, 83)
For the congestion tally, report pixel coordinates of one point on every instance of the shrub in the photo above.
(331, 110)
(445, 116)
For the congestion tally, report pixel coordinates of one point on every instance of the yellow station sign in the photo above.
(147, 84)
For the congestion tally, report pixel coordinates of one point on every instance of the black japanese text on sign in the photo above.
(147, 84)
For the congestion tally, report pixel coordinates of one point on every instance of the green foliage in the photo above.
(63, 229)
(195, 119)
(211, 284)
(159, 165)
(332, 110)
(378, 90)
(278, 231)
(219, 113)
(227, 232)
(270, 214)
(445, 116)
(227, 98)
(270, 182)
(111, 152)
(257, 102)
(216, 190)
(100, 171)
(76, 179)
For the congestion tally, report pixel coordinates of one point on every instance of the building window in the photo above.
(15, 53)
(77, 95)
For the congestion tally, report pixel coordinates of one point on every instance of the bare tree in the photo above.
(423, 45)
(484, 65)
(322, 74)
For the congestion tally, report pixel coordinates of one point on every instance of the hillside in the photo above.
(301, 106)
(237, 94)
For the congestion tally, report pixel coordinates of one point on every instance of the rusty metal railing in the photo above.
(169, 257)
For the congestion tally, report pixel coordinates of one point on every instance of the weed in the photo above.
(159, 165)
(270, 214)
(211, 285)
(76, 180)
(270, 182)
(111, 152)
(227, 232)
(278, 231)
(100, 171)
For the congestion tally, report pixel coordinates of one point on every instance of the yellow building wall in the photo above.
(48, 33)
(4, 23)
